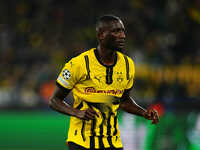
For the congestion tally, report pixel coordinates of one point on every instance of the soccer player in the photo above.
(101, 79)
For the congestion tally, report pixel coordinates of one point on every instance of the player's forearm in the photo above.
(62, 107)
(130, 106)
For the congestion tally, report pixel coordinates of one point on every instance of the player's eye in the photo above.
(118, 30)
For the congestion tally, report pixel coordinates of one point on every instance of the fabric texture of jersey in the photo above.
(99, 87)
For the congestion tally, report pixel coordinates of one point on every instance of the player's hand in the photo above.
(87, 114)
(152, 114)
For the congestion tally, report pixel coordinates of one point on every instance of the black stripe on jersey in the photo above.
(109, 138)
(101, 126)
(87, 67)
(92, 142)
(109, 125)
(93, 127)
(101, 145)
(115, 125)
(109, 130)
(109, 74)
(83, 130)
(80, 105)
(127, 67)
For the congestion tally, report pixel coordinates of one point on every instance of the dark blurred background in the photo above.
(37, 37)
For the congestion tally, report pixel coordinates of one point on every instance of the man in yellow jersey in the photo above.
(100, 80)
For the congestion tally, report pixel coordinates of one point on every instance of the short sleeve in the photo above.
(131, 74)
(69, 75)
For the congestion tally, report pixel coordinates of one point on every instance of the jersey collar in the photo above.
(99, 60)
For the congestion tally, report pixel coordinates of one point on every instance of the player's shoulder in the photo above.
(81, 57)
(124, 56)
(83, 54)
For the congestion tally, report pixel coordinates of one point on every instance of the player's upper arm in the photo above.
(70, 74)
(59, 93)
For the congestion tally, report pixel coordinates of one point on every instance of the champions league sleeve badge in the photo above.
(66, 74)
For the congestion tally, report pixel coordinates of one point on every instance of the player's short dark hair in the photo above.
(106, 19)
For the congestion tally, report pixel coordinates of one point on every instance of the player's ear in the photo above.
(99, 36)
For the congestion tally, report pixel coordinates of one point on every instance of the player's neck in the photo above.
(107, 56)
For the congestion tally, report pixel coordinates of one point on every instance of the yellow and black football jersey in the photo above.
(100, 87)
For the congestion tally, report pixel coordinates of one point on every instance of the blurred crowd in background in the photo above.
(38, 37)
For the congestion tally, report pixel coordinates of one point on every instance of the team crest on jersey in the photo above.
(66, 74)
(119, 77)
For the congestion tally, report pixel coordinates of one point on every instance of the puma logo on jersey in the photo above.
(97, 78)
